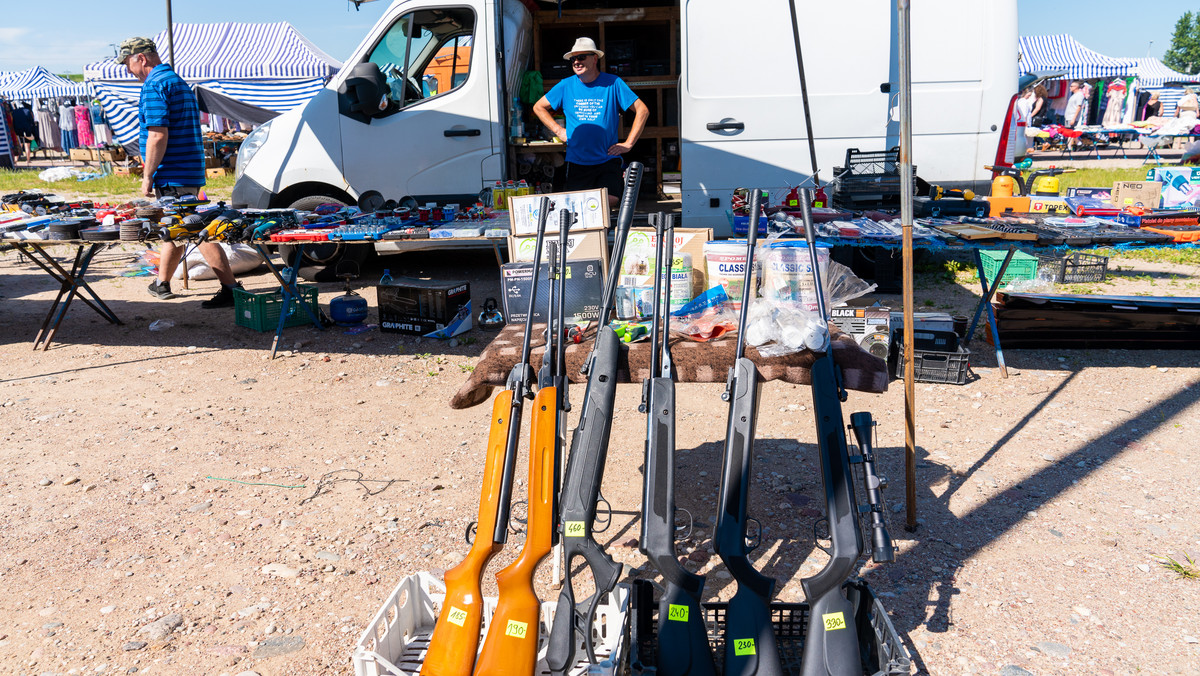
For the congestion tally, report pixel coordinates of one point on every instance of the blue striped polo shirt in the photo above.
(168, 101)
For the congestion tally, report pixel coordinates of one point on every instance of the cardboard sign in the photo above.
(581, 244)
(582, 302)
(639, 255)
(589, 206)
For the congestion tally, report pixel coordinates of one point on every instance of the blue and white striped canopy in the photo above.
(212, 51)
(1042, 53)
(1152, 73)
(38, 83)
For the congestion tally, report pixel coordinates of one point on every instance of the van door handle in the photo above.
(725, 126)
(461, 132)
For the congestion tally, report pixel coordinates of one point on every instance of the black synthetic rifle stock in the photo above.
(831, 646)
(585, 465)
(683, 648)
(750, 645)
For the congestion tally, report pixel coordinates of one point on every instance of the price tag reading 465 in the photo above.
(574, 529)
(457, 616)
(516, 629)
(833, 621)
(743, 646)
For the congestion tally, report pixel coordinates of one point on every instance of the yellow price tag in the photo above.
(833, 621)
(677, 613)
(457, 616)
(516, 629)
(575, 529)
(743, 646)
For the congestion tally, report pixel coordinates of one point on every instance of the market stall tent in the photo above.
(268, 66)
(1062, 53)
(1154, 75)
(38, 83)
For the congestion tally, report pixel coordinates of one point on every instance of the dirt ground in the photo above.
(168, 506)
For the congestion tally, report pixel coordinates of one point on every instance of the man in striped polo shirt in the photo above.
(172, 157)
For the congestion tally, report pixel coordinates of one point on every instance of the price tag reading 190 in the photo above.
(743, 646)
(457, 616)
(516, 629)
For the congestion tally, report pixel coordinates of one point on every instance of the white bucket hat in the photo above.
(583, 45)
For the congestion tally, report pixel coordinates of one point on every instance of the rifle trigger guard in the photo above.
(607, 509)
(517, 519)
(752, 543)
(817, 537)
(691, 523)
(472, 531)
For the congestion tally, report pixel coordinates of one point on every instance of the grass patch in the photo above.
(1186, 570)
(1099, 178)
(1154, 255)
(109, 188)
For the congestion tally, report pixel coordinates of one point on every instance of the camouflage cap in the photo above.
(135, 46)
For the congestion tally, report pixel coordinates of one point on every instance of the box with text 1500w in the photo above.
(424, 306)
(582, 302)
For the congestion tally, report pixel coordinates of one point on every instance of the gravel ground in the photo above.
(167, 505)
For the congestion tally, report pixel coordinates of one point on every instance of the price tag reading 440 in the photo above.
(574, 529)
(833, 621)
(743, 646)
(516, 629)
(457, 616)
(677, 613)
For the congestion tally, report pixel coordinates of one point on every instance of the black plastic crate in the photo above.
(882, 651)
(871, 162)
(1074, 268)
(933, 366)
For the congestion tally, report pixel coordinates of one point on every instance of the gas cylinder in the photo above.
(1002, 186)
(348, 309)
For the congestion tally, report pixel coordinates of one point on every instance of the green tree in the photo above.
(1184, 54)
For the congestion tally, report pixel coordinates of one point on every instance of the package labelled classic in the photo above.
(420, 306)
(583, 290)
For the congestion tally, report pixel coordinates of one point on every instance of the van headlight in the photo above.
(250, 147)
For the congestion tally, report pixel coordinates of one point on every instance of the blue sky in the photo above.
(89, 30)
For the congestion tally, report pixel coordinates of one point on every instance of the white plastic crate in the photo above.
(395, 641)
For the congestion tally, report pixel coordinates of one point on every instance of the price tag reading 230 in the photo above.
(743, 646)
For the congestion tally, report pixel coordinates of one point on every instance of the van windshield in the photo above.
(426, 53)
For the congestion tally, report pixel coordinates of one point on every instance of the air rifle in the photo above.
(831, 646)
(750, 645)
(510, 648)
(585, 465)
(683, 648)
(455, 640)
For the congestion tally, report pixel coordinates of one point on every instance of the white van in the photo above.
(442, 132)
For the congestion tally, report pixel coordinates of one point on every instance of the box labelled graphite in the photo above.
(422, 306)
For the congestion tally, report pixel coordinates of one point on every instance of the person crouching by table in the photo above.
(172, 157)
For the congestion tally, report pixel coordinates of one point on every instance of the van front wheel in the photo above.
(327, 254)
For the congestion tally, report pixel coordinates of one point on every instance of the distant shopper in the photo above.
(172, 157)
(592, 102)
(1074, 113)
(1041, 106)
(1189, 105)
(1153, 107)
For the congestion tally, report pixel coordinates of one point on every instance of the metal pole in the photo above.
(170, 37)
(906, 220)
(812, 143)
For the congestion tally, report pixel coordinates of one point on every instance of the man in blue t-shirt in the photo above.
(592, 103)
(172, 157)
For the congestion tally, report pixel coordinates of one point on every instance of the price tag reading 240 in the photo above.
(677, 613)
(516, 629)
(743, 646)
(457, 616)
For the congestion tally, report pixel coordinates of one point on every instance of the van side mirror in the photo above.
(364, 94)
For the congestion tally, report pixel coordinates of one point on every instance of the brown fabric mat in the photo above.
(694, 363)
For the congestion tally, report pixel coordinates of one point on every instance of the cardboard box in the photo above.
(211, 162)
(870, 327)
(639, 250)
(127, 171)
(1048, 205)
(581, 245)
(583, 291)
(216, 173)
(424, 307)
(997, 206)
(1137, 194)
(1161, 218)
(1098, 193)
(83, 154)
(1178, 186)
(589, 206)
(111, 154)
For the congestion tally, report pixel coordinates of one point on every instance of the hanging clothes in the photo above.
(1114, 107)
(48, 132)
(66, 125)
(83, 126)
(100, 128)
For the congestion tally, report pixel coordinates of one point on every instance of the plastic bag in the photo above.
(242, 258)
(706, 317)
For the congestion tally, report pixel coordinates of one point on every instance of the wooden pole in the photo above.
(906, 221)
